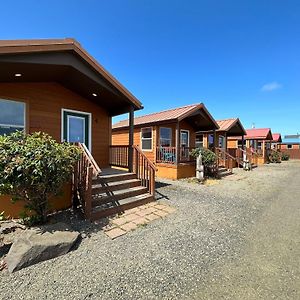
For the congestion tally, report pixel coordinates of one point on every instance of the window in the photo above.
(222, 141)
(240, 143)
(146, 138)
(12, 116)
(184, 138)
(165, 137)
(211, 141)
(289, 146)
(76, 127)
(199, 140)
(259, 145)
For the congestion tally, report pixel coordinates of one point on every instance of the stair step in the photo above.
(122, 205)
(103, 198)
(115, 186)
(114, 178)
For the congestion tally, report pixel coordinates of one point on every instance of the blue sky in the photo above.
(241, 58)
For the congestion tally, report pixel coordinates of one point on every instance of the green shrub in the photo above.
(275, 157)
(209, 160)
(285, 156)
(2, 216)
(34, 167)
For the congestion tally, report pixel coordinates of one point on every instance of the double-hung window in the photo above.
(165, 137)
(199, 140)
(12, 116)
(146, 138)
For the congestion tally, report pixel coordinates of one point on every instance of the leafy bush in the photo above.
(285, 156)
(275, 157)
(34, 167)
(209, 160)
(2, 216)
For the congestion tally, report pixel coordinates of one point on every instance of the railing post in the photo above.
(131, 132)
(177, 150)
(88, 194)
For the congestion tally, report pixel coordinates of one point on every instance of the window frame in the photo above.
(201, 142)
(141, 139)
(171, 136)
(188, 140)
(24, 127)
(89, 115)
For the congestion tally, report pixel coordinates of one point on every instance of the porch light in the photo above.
(94, 94)
(18, 75)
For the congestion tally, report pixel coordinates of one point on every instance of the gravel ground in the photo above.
(237, 239)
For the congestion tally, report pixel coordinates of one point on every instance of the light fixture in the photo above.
(94, 94)
(18, 75)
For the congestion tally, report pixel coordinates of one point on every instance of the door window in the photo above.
(76, 127)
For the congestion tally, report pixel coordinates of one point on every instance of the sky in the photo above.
(240, 58)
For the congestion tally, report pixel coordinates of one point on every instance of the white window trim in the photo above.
(185, 130)
(89, 146)
(171, 140)
(25, 115)
(141, 139)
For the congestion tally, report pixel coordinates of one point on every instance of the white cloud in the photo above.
(272, 86)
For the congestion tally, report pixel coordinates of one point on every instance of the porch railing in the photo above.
(142, 166)
(225, 159)
(168, 155)
(84, 172)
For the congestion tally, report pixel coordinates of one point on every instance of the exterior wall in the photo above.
(284, 146)
(232, 144)
(176, 172)
(293, 153)
(121, 137)
(44, 103)
(13, 210)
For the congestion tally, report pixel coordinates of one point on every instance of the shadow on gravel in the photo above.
(76, 220)
(159, 195)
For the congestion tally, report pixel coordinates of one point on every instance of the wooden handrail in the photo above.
(88, 156)
(84, 172)
(143, 167)
(228, 159)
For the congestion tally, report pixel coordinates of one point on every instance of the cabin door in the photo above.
(76, 127)
(184, 144)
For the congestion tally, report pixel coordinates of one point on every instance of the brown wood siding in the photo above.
(293, 153)
(120, 137)
(284, 146)
(44, 102)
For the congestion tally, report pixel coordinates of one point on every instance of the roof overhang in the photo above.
(200, 119)
(66, 62)
(235, 129)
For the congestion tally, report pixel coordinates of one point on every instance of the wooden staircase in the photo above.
(101, 193)
(115, 193)
(225, 162)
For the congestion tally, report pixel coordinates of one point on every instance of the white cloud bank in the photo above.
(272, 86)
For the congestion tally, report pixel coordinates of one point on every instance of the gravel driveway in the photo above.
(238, 239)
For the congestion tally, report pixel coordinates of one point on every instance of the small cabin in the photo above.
(167, 138)
(258, 140)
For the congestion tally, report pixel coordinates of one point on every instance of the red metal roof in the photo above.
(259, 133)
(276, 138)
(255, 134)
(166, 115)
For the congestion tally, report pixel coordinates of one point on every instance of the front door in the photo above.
(184, 144)
(76, 127)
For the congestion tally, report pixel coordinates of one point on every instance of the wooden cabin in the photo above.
(56, 87)
(218, 139)
(257, 140)
(167, 137)
(276, 142)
